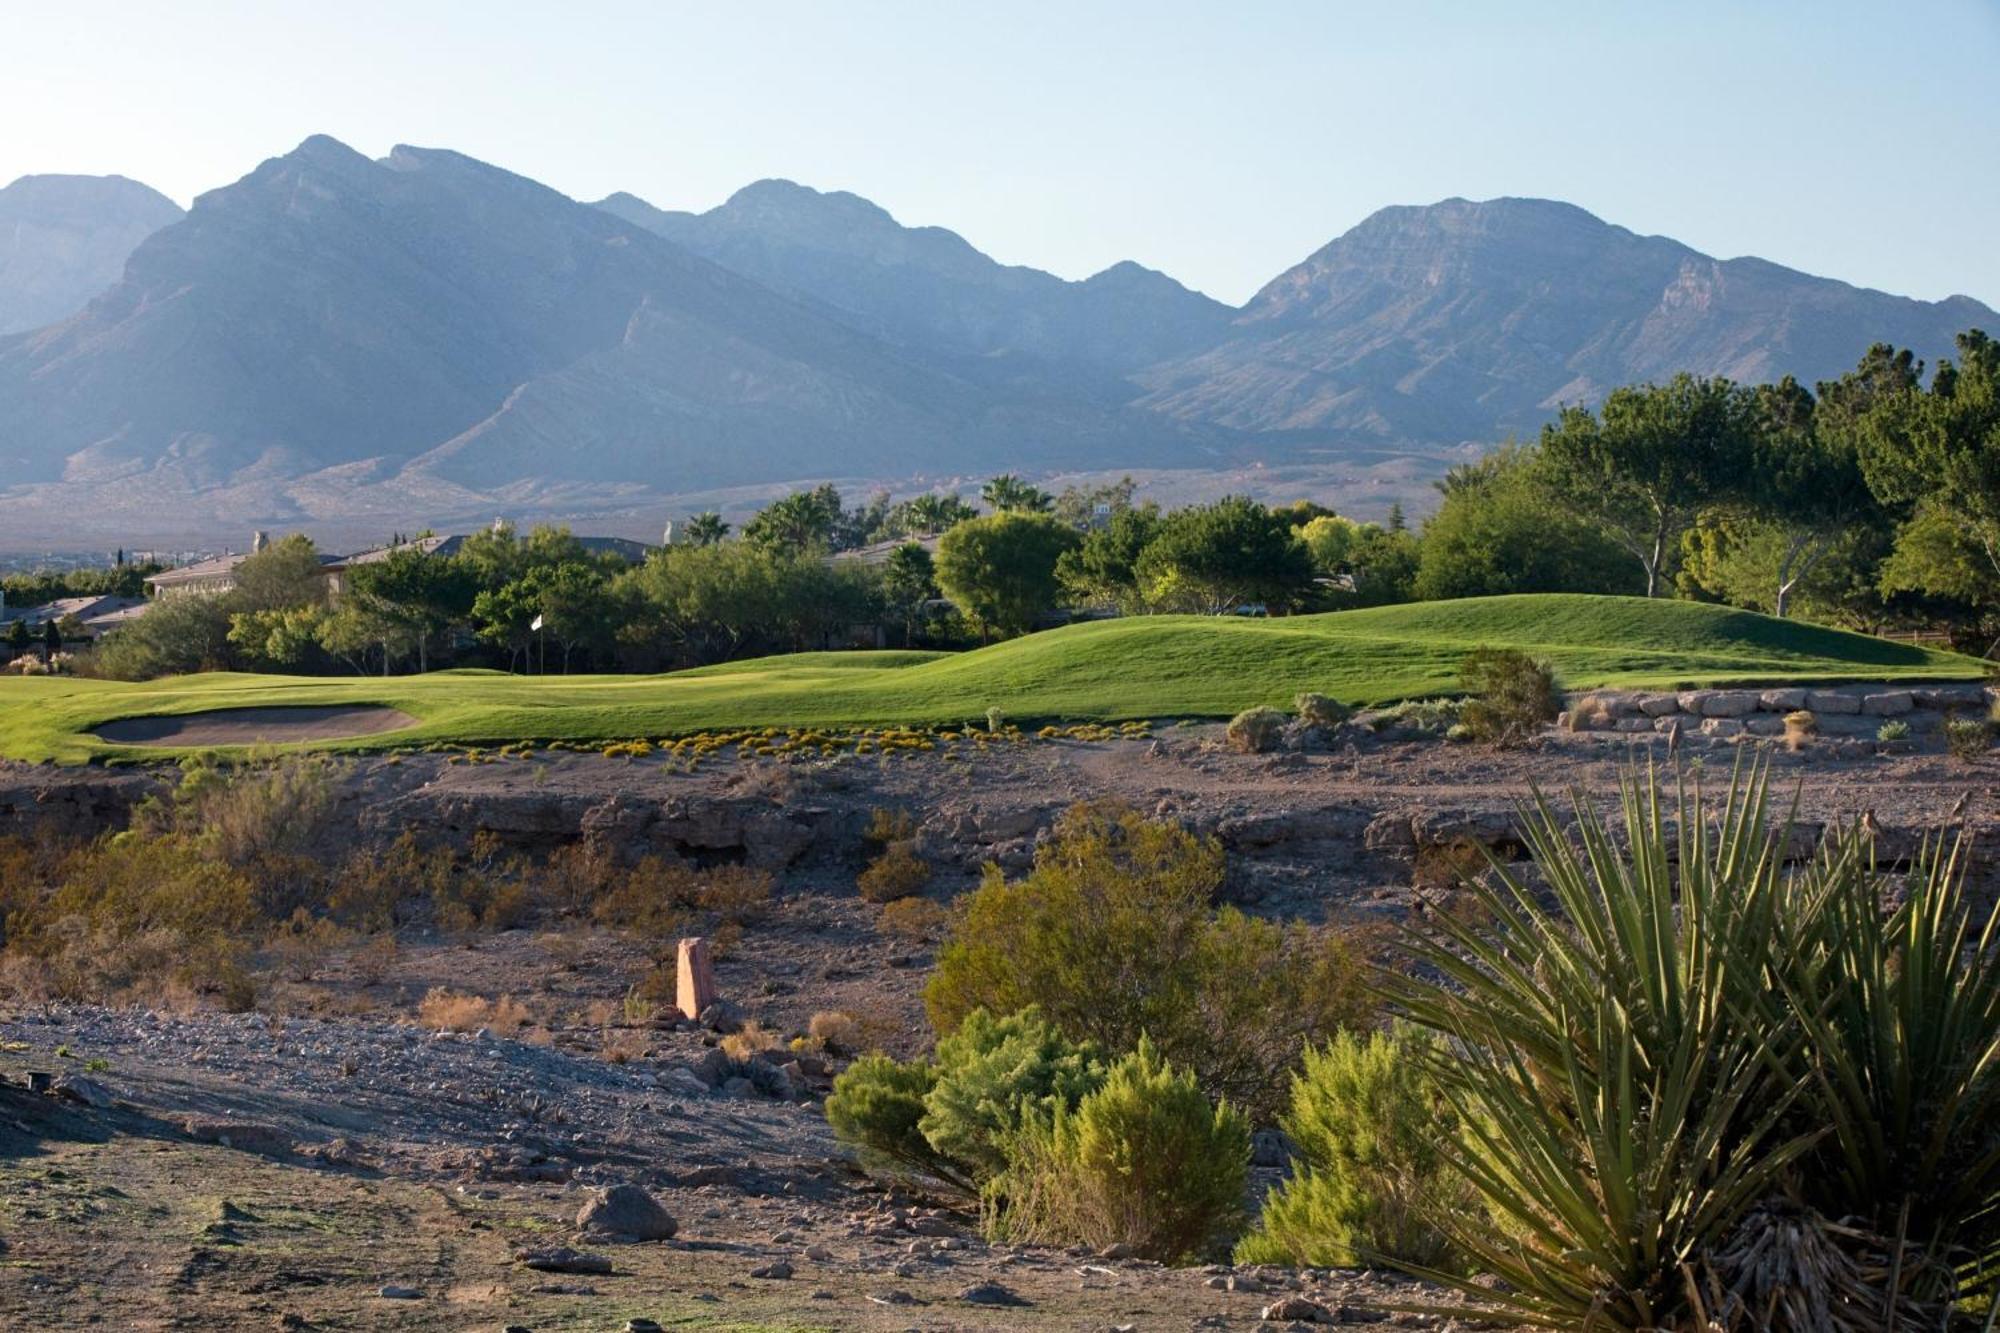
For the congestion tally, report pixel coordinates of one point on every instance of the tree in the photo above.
(177, 635)
(1007, 494)
(1500, 530)
(801, 521)
(1104, 570)
(1001, 570)
(18, 638)
(1650, 459)
(411, 596)
(287, 573)
(909, 579)
(705, 529)
(928, 515)
(1937, 450)
(1216, 557)
(1078, 505)
(52, 640)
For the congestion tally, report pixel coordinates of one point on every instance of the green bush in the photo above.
(1256, 730)
(875, 1108)
(1513, 695)
(992, 1074)
(1145, 1161)
(1894, 730)
(1318, 710)
(1113, 937)
(1968, 738)
(1703, 1090)
(1372, 1172)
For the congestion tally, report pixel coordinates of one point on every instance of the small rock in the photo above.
(627, 1210)
(819, 1254)
(395, 1293)
(895, 1298)
(1296, 1310)
(563, 1259)
(990, 1293)
(642, 1326)
(773, 1272)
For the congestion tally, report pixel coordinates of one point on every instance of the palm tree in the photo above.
(706, 529)
(1008, 492)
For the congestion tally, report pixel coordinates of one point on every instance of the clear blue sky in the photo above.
(1219, 141)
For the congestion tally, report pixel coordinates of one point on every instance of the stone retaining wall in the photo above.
(1850, 712)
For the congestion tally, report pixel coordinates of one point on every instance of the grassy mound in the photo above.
(1144, 667)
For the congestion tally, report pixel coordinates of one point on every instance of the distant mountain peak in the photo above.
(64, 239)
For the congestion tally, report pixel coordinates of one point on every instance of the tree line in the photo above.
(1870, 501)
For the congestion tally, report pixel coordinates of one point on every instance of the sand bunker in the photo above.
(256, 726)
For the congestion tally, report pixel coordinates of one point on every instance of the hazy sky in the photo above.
(1219, 141)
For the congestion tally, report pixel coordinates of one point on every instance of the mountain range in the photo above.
(337, 341)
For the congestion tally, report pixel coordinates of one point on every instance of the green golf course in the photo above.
(1156, 667)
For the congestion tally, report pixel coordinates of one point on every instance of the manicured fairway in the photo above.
(1143, 667)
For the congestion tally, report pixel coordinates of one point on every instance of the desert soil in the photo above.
(280, 1169)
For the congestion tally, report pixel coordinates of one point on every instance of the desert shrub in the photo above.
(737, 895)
(1446, 865)
(1112, 935)
(994, 1074)
(369, 889)
(835, 1030)
(577, 875)
(875, 1107)
(886, 826)
(1433, 717)
(1256, 730)
(897, 873)
(478, 896)
(1146, 1160)
(1701, 1089)
(445, 1010)
(1968, 738)
(133, 884)
(651, 900)
(1371, 1172)
(753, 1038)
(913, 918)
(1319, 710)
(1893, 730)
(305, 944)
(1800, 727)
(1513, 695)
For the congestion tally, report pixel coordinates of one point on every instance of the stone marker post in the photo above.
(695, 990)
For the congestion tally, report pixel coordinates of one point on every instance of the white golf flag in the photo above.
(537, 625)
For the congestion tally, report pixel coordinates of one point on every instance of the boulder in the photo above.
(627, 1210)
(1659, 705)
(1782, 701)
(1296, 1310)
(1889, 703)
(83, 1091)
(1721, 726)
(1833, 701)
(249, 1136)
(1729, 703)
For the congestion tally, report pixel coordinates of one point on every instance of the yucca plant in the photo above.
(1901, 1018)
(1700, 1090)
